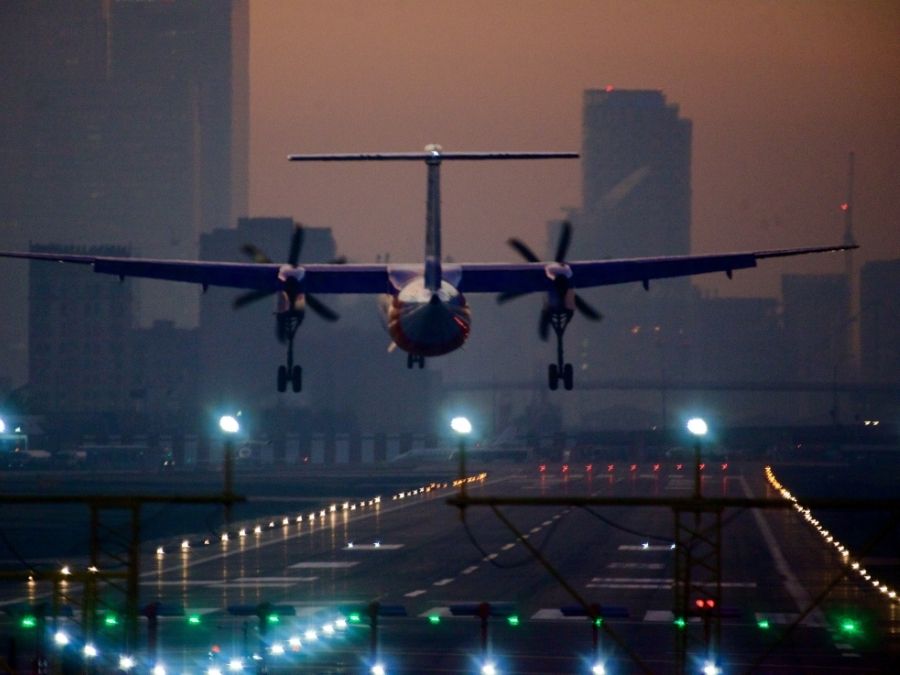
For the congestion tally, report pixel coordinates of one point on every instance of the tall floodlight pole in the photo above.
(230, 426)
(463, 427)
(698, 427)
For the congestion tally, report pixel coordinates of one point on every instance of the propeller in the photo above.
(560, 281)
(290, 286)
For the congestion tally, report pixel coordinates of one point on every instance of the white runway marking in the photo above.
(641, 547)
(373, 547)
(470, 569)
(546, 523)
(443, 582)
(635, 566)
(507, 547)
(321, 565)
(535, 530)
(414, 594)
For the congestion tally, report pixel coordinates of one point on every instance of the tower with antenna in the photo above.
(849, 271)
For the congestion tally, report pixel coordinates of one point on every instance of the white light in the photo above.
(90, 651)
(65, 571)
(598, 669)
(328, 629)
(213, 670)
(126, 663)
(697, 426)
(229, 424)
(461, 425)
(295, 643)
(2, 427)
(311, 635)
(378, 669)
(185, 545)
(710, 668)
(488, 669)
(277, 649)
(235, 665)
(61, 638)
(160, 552)
(159, 669)
(340, 624)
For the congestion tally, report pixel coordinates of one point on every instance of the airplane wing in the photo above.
(535, 277)
(473, 277)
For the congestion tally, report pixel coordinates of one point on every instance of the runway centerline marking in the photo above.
(470, 569)
(444, 582)
(507, 547)
(414, 594)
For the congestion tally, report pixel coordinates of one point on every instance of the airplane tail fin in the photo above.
(432, 156)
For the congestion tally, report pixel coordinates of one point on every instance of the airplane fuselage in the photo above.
(428, 323)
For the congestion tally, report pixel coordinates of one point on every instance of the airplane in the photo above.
(425, 312)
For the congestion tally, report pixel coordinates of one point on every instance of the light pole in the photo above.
(230, 426)
(698, 427)
(463, 427)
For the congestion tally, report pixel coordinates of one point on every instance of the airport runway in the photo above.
(411, 552)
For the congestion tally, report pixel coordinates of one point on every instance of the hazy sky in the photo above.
(779, 93)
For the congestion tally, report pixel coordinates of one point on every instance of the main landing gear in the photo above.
(287, 327)
(560, 370)
(412, 359)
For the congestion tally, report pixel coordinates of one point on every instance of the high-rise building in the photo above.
(636, 162)
(80, 346)
(125, 122)
(817, 321)
(879, 301)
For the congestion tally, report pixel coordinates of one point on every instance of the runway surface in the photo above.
(411, 552)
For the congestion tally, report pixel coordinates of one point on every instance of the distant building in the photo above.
(166, 381)
(125, 122)
(636, 159)
(880, 321)
(80, 357)
(816, 316)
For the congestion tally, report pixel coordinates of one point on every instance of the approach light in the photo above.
(126, 663)
(461, 425)
(598, 669)
(378, 669)
(489, 669)
(2, 426)
(277, 649)
(235, 665)
(158, 669)
(710, 668)
(90, 651)
(229, 424)
(61, 638)
(697, 426)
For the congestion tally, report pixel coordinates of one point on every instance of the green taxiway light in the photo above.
(512, 620)
(111, 620)
(434, 619)
(849, 626)
(680, 622)
(354, 617)
(763, 624)
(273, 618)
(28, 622)
(194, 619)
(598, 621)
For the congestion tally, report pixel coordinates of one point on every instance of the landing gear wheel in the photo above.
(282, 378)
(553, 377)
(296, 378)
(568, 377)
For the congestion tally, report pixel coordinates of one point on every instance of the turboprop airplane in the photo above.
(426, 313)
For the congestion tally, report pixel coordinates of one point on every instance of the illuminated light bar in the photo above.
(829, 538)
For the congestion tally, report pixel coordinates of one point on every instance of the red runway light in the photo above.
(589, 467)
(725, 466)
(679, 467)
(565, 468)
(656, 467)
(634, 467)
(610, 467)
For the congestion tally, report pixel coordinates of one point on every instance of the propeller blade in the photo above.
(544, 325)
(509, 295)
(588, 311)
(321, 309)
(523, 249)
(562, 246)
(248, 298)
(296, 245)
(255, 254)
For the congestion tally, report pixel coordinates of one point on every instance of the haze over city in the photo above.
(779, 94)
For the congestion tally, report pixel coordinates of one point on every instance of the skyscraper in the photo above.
(125, 122)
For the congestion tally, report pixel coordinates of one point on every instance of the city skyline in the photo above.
(779, 95)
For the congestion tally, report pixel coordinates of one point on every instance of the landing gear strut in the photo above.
(560, 370)
(287, 327)
(412, 359)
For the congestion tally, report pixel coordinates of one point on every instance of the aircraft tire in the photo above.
(553, 377)
(282, 378)
(568, 377)
(297, 378)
